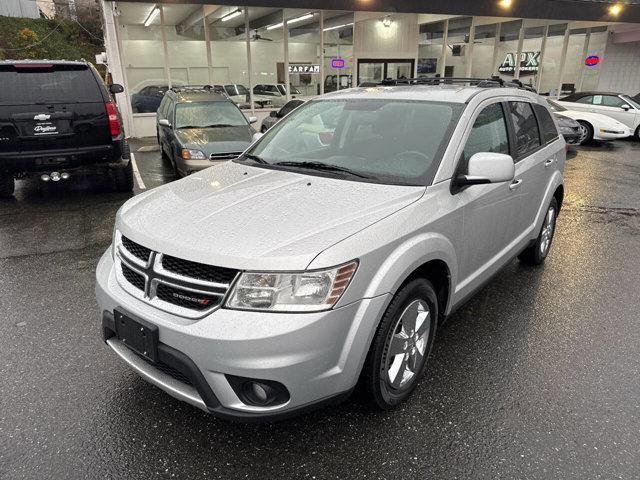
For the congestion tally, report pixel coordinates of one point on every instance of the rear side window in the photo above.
(547, 125)
(20, 86)
(525, 128)
(587, 100)
(488, 134)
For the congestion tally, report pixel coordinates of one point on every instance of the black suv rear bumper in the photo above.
(67, 159)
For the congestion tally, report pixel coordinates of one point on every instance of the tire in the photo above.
(586, 132)
(537, 253)
(123, 178)
(382, 391)
(7, 185)
(637, 134)
(263, 129)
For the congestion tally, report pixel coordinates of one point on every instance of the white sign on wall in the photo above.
(529, 63)
(304, 68)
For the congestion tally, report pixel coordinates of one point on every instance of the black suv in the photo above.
(198, 126)
(57, 118)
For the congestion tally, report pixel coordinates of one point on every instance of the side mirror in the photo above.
(488, 167)
(116, 88)
(257, 136)
(163, 122)
(625, 107)
(273, 113)
(253, 119)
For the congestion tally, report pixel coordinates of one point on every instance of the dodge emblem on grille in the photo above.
(201, 301)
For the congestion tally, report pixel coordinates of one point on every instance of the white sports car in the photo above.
(593, 126)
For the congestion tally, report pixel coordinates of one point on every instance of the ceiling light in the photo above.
(337, 27)
(615, 9)
(505, 3)
(152, 16)
(229, 16)
(386, 21)
(293, 20)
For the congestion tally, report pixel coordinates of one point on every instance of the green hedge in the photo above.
(69, 41)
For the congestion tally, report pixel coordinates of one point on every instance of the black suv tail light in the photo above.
(114, 121)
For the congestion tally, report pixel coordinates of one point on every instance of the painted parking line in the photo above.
(136, 173)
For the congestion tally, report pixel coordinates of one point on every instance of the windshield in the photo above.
(388, 141)
(283, 90)
(236, 90)
(556, 107)
(208, 114)
(631, 101)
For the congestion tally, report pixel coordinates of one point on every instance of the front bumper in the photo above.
(316, 356)
(610, 134)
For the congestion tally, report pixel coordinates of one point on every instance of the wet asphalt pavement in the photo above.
(538, 376)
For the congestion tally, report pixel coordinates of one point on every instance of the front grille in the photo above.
(200, 271)
(186, 298)
(182, 287)
(133, 277)
(136, 249)
(224, 156)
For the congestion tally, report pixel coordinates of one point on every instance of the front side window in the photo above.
(526, 128)
(208, 115)
(608, 101)
(388, 141)
(488, 134)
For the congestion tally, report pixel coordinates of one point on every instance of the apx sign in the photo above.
(529, 63)
(303, 68)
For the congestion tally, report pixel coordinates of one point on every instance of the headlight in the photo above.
(310, 291)
(188, 154)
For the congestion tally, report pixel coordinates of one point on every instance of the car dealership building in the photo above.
(310, 47)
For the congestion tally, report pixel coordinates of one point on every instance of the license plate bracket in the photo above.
(137, 334)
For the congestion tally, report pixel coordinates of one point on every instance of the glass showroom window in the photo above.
(575, 60)
(304, 52)
(482, 65)
(531, 52)
(595, 49)
(551, 62)
(142, 54)
(338, 50)
(430, 38)
(457, 51)
(508, 49)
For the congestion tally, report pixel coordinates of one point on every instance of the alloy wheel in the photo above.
(584, 133)
(547, 230)
(407, 345)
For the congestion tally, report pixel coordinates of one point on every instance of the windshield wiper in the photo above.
(255, 158)
(219, 125)
(321, 166)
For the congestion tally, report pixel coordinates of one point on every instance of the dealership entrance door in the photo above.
(374, 71)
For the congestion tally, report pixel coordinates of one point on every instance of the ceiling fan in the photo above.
(256, 37)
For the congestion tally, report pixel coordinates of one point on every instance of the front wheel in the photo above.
(7, 185)
(637, 134)
(586, 132)
(536, 253)
(401, 346)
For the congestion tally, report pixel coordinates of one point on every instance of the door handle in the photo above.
(515, 184)
(549, 162)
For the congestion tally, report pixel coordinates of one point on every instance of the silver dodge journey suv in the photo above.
(330, 251)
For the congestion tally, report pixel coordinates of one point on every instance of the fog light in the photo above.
(260, 393)
(65, 176)
(55, 177)
(45, 177)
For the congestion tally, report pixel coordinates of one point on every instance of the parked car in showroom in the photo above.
(593, 126)
(276, 92)
(197, 127)
(276, 115)
(240, 95)
(147, 99)
(615, 105)
(274, 283)
(59, 119)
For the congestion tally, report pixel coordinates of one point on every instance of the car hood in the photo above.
(243, 217)
(216, 140)
(597, 119)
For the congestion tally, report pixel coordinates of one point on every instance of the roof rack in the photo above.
(198, 88)
(494, 81)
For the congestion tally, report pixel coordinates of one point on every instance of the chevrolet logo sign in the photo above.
(41, 117)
